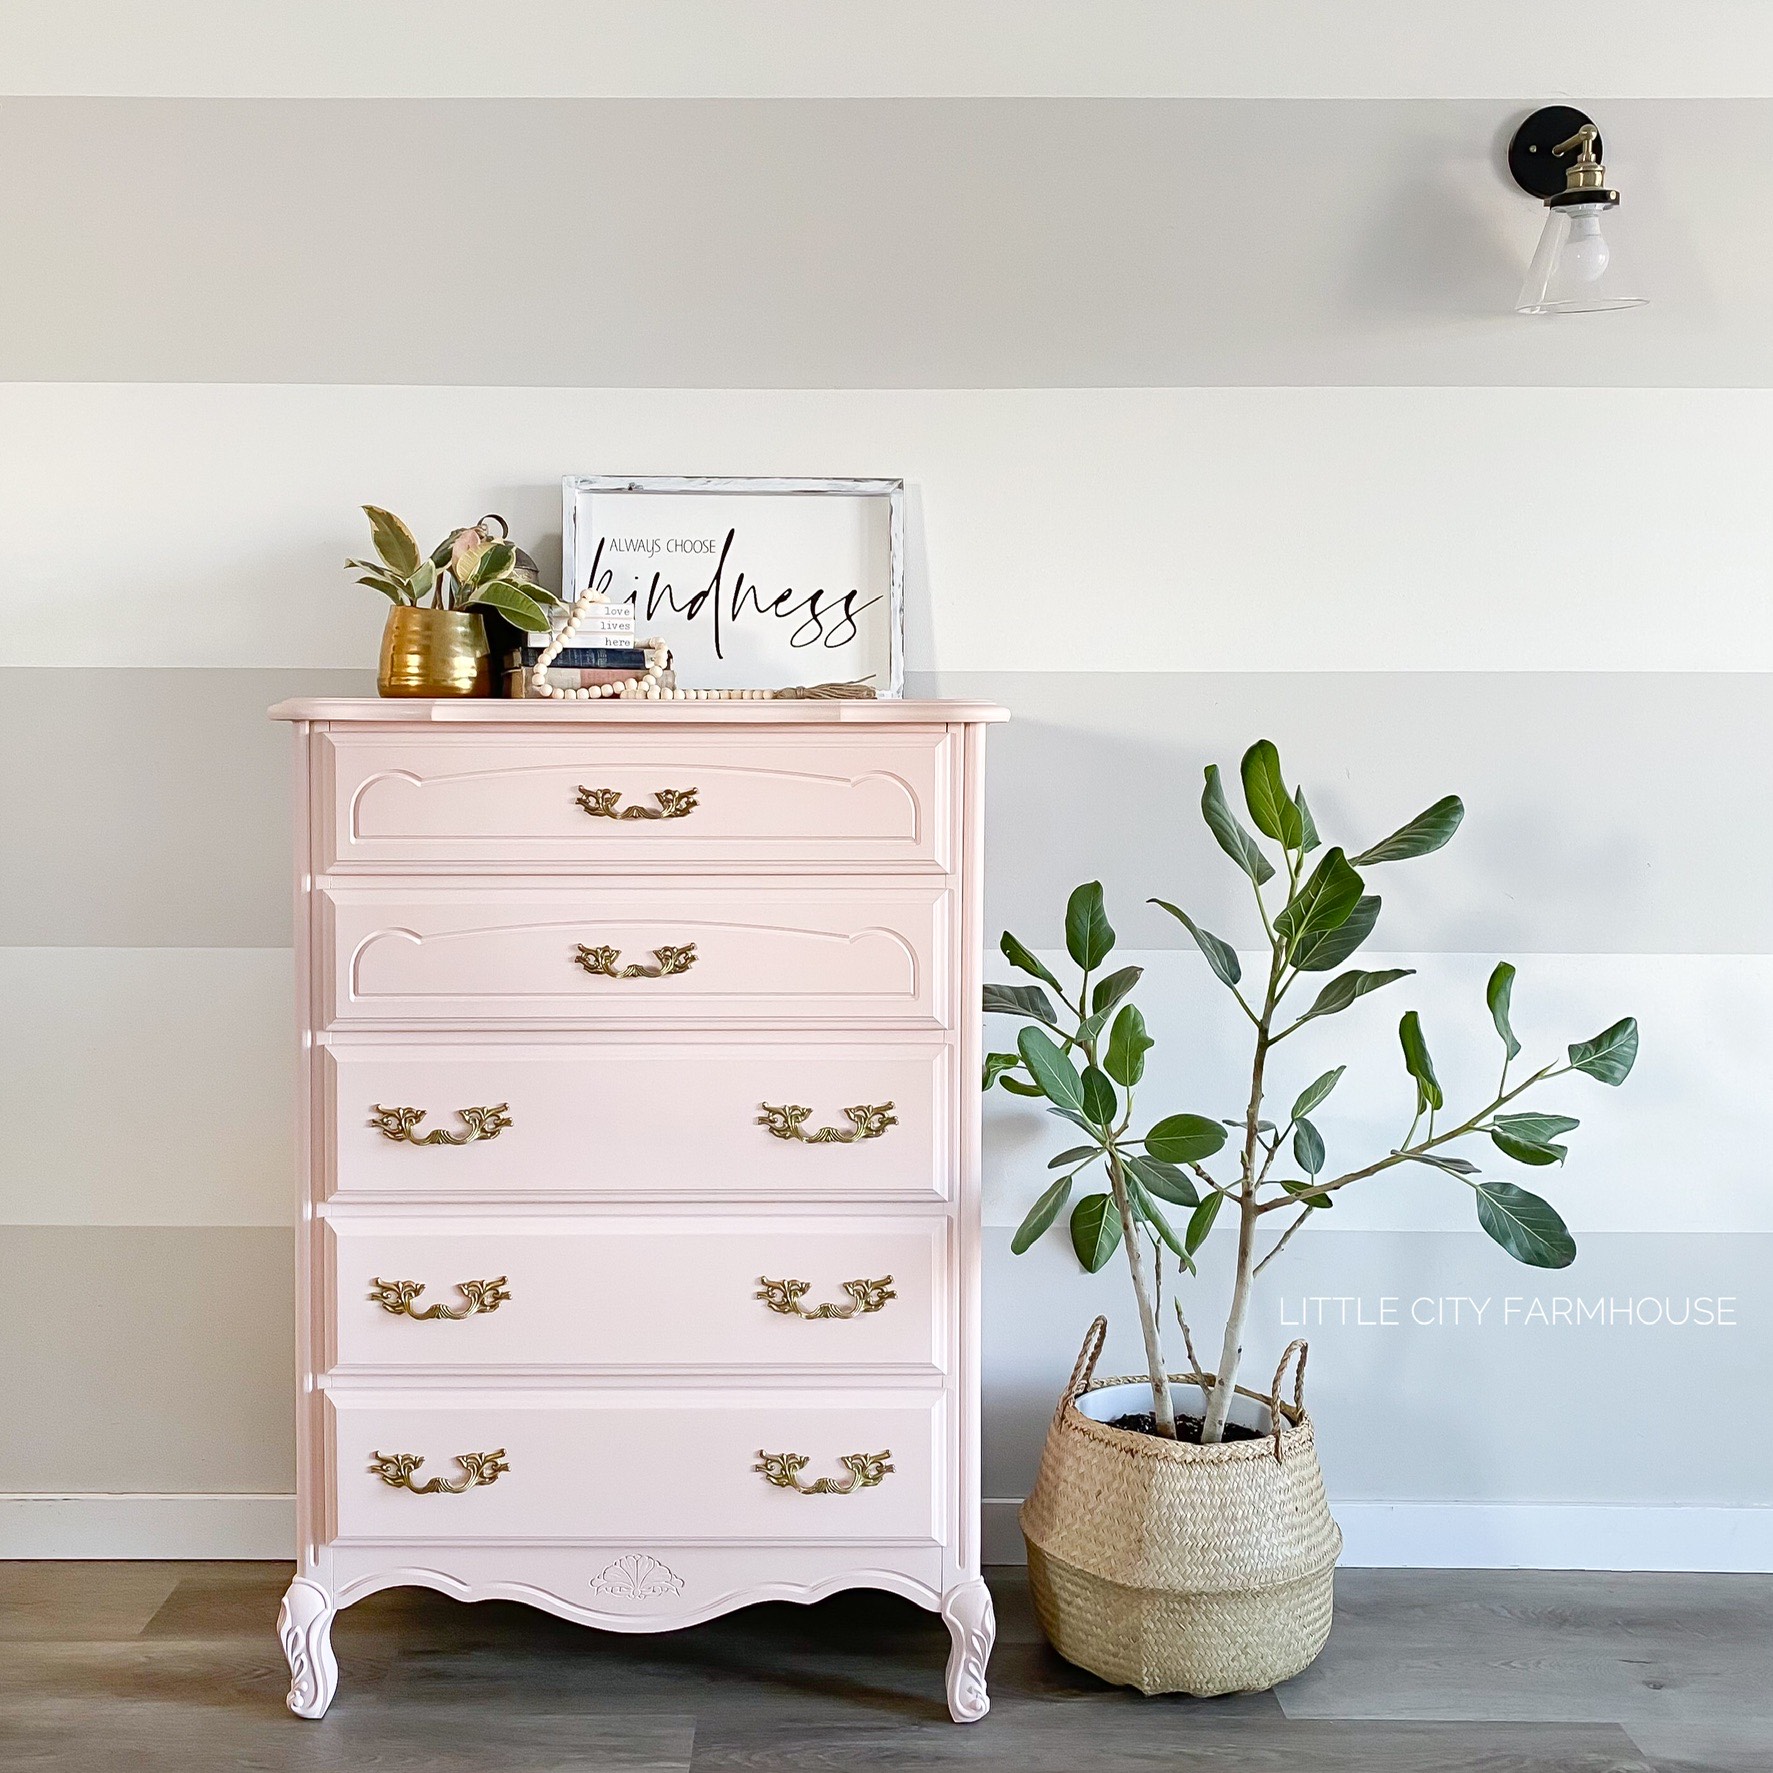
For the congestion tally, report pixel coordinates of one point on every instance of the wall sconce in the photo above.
(1556, 156)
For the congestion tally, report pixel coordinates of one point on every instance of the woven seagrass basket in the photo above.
(1177, 1568)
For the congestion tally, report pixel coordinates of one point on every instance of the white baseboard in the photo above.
(144, 1526)
(1376, 1535)
(1509, 1536)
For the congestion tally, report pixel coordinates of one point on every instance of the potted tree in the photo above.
(1178, 1534)
(435, 642)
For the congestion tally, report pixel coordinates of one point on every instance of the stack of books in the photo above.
(602, 651)
(607, 624)
(574, 667)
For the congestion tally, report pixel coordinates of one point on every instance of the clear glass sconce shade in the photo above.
(1576, 269)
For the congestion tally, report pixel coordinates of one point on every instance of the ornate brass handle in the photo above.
(480, 1295)
(785, 1296)
(674, 803)
(787, 1121)
(481, 1123)
(784, 1469)
(396, 1469)
(601, 962)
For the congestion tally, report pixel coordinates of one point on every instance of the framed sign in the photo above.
(753, 584)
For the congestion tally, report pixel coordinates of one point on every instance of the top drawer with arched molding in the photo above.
(630, 799)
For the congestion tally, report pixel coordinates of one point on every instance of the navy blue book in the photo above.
(587, 658)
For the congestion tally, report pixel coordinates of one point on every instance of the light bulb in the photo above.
(1586, 253)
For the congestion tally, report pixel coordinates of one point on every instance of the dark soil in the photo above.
(1187, 1428)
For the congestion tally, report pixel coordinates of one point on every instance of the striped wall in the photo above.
(1305, 474)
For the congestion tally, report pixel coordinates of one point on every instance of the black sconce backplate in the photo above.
(1530, 158)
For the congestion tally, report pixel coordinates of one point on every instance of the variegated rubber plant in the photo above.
(470, 568)
(1084, 1054)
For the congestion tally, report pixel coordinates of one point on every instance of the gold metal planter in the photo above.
(434, 652)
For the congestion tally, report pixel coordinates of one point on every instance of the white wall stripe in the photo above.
(1211, 529)
(773, 48)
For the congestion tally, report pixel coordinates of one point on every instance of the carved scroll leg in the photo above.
(304, 1623)
(971, 1622)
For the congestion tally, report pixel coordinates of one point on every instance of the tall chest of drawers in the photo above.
(638, 1248)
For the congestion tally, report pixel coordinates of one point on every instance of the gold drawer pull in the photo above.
(787, 1121)
(396, 1469)
(398, 1297)
(601, 962)
(785, 1296)
(674, 803)
(482, 1123)
(784, 1469)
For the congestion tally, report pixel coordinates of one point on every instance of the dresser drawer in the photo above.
(647, 1116)
(653, 1465)
(582, 799)
(703, 1293)
(638, 953)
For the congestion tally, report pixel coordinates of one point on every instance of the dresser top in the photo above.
(503, 711)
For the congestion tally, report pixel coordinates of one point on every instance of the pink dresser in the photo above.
(638, 1258)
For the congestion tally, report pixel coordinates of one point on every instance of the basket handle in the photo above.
(1277, 1411)
(1087, 1356)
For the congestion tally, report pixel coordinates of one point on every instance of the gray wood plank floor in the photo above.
(164, 1667)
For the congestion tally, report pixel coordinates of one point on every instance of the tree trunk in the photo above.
(1163, 1407)
(1232, 1350)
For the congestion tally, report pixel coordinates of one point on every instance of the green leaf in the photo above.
(1075, 1155)
(393, 540)
(1095, 1230)
(1020, 1000)
(1497, 994)
(1309, 839)
(1536, 1129)
(513, 603)
(1088, 934)
(1324, 902)
(1100, 1102)
(1019, 1087)
(1426, 832)
(1610, 1055)
(1454, 1166)
(1113, 988)
(1128, 1043)
(1316, 1092)
(1325, 952)
(1221, 956)
(1526, 1151)
(1184, 1139)
(1417, 1061)
(1312, 1197)
(394, 593)
(1346, 988)
(996, 1064)
(495, 563)
(1023, 960)
(1153, 1215)
(1162, 1179)
(1265, 794)
(1308, 1148)
(1041, 1215)
(1528, 1228)
(423, 581)
(1234, 840)
(1201, 1221)
(1059, 1083)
